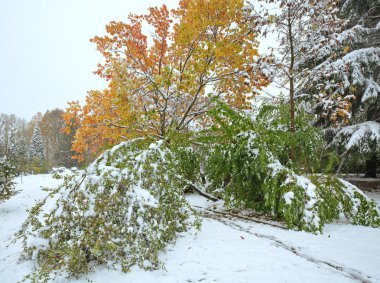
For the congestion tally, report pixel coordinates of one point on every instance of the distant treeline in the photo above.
(37, 145)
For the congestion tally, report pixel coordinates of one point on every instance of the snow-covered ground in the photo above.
(226, 250)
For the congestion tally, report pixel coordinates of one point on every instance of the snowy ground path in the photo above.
(348, 272)
(225, 250)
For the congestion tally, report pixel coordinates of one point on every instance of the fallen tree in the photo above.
(121, 211)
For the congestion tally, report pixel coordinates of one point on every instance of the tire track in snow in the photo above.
(347, 272)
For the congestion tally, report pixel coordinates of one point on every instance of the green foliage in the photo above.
(37, 166)
(272, 127)
(7, 174)
(249, 167)
(308, 202)
(128, 205)
(189, 165)
(122, 211)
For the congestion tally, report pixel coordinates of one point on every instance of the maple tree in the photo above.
(166, 81)
(98, 124)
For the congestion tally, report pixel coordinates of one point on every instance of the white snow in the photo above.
(358, 136)
(229, 251)
(359, 62)
(288, 197)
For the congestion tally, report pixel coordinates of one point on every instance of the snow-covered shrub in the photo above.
(308, 202)
(122, 211)
(7, 174)
(252, 169)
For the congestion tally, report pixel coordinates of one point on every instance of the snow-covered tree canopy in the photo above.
(304, 30)
(336, 83)
(363, 137)
(10, 134)
(363, 12)
(327, 57)
(37, 146)
(342, 70)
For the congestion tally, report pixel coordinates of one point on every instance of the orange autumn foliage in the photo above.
(166, 81)
(99, 124)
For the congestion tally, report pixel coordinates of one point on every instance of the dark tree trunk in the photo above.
(371, 166)
(291, 83)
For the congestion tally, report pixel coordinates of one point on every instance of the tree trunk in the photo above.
(291, 84)
(343, 158)
(371, 166)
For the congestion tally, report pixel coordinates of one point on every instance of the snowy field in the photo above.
(226, 250)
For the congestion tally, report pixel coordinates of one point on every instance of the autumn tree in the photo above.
(57, 142)
(98, 124)
(165, 81)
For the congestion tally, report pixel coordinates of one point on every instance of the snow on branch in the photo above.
(360, 136)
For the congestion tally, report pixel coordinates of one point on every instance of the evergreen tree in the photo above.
(362, 12)
(330, 59)
(37, 150)
(19, 153)
(343, 66)
(344, 86)
(7, 174)
(362, 139)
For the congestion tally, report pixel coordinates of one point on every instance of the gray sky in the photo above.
(45, 54)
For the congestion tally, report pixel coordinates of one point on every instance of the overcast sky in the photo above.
(45, 54)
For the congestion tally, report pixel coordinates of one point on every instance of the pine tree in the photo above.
(7, 174)
(19, 153)
(343, 81)
(330, 60)
(362, 12)
(37, 150)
